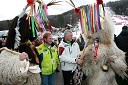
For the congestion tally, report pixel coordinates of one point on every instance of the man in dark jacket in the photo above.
(122, 39)
(122, 43)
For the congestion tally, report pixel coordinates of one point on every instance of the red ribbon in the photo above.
(96, 51)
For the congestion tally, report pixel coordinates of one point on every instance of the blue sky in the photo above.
(11, 8)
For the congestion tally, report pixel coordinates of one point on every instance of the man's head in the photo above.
(124, 28)
(68, 35)
(47, 37)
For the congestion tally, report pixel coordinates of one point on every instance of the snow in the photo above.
(118, 20)
(3, 32)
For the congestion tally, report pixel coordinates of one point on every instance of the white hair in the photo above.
(66, 33)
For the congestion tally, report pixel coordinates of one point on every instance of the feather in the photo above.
(53, 3)
(17, 37)
(69, 3)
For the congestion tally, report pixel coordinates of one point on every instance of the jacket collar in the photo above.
(67, 42)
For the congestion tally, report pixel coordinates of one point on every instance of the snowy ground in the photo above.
(118, 20)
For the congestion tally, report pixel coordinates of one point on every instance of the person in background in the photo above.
(48, 56)
(59, 40)
(68, 55)
(1, 44)
(81, 42)
(122, 43)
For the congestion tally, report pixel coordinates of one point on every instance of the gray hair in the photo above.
(66, 33)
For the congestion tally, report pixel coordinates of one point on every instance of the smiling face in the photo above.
(48, 38)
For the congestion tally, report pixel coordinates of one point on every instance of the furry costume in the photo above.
(10, 73)
(107, 55)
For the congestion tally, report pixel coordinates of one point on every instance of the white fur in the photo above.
(10, 71)
(107, 48)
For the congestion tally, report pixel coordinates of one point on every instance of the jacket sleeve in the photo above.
(78, 49)
(65, 58)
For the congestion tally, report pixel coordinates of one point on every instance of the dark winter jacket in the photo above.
(122, 40)
(122, 43)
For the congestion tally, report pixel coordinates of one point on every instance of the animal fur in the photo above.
(107, 48)
(9, 61)
(10, 71)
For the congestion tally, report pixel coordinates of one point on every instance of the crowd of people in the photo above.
(66, 53)
(52, 53)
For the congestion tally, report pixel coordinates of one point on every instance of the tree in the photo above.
(119, 7)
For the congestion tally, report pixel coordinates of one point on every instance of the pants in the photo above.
(48, 79)
(68, 77)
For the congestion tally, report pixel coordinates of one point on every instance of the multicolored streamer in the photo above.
(92, 18)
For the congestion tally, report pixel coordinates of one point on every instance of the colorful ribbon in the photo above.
(92, 18)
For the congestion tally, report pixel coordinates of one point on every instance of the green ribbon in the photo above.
(33, 26)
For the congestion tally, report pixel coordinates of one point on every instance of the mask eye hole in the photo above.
(97, 40)
(89, 37)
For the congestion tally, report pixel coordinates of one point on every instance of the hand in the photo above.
(81, 56)
(79, 61)
(23, 56)
(32, 46)
(110, 59)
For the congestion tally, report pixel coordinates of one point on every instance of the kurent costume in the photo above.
(16, 72)
(103, 59)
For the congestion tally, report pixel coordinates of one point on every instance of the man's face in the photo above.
(69, 37)
(49, 40)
